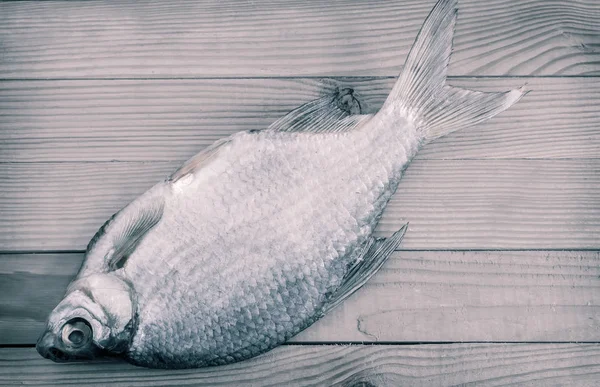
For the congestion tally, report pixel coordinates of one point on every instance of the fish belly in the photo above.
(251, 246)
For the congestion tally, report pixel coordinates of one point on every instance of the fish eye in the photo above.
(76, 333)
(76, 336)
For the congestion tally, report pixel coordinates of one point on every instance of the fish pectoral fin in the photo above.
(129, 227)
(376, 253)
(199, 160)
(339, 112)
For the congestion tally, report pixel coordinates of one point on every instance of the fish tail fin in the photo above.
(421, 94)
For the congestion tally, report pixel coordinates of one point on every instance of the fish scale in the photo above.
(262, 233)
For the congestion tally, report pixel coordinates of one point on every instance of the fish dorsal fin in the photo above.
(133, 223)
(333, 113)
(376, 252)
(199, 160)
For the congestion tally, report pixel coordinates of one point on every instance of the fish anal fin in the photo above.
(332, 113)
(376, 252)
(199, 160)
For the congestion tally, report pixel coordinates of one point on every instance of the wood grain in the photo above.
(174, 119)
(101, 39)
(416, 297)
(450, 204)
(343, 366)
(99, 100)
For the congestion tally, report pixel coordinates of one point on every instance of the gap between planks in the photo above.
(381, 343)
(450, 78)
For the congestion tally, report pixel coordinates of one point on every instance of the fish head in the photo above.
(94, 317)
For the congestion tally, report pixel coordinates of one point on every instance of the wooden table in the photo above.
(498, 279)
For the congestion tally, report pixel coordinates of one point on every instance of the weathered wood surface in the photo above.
(282, 38)
(164, 120)
(339, 365)
(416, 297)
(100, 100)
(450, 204)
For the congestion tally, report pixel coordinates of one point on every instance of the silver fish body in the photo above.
(258, 236)
(248, 250)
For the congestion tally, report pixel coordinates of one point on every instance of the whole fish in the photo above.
(259, 235)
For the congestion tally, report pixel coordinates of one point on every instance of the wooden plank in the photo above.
(506, 296)
(357, 365)
(281, 38)
(416, 297)
(173, 119)
(31, 286)
(450, 204)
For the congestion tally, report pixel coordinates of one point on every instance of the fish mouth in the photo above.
(49, 347)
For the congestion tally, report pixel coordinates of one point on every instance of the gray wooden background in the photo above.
(500, 269)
